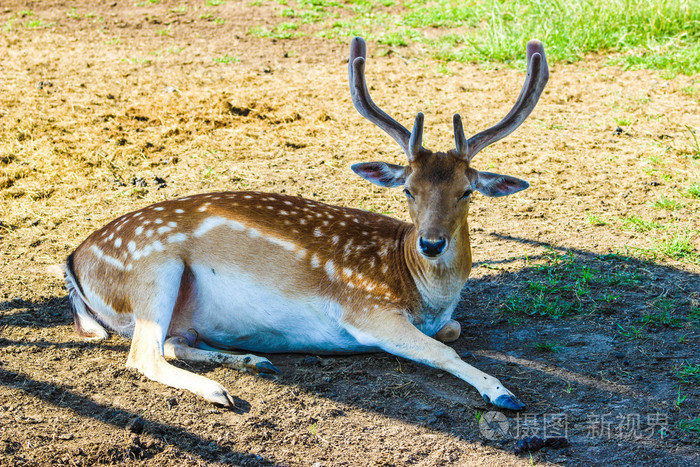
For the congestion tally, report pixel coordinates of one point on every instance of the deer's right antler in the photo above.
(537, 76)
(410, 142)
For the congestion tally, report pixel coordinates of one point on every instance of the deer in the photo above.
(220, 277)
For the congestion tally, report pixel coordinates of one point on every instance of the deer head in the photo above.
(438, 185)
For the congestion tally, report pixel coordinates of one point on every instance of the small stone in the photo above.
(136, 425)
(172, 402)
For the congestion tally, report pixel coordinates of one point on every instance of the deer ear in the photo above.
(494, 185)
(381, 173)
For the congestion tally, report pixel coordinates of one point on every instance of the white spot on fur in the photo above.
(216, 221)
(131, 246)
(159, 208)
(139, 230)
(317, 232)
(179, 211)
(315, 262)
(158, 221)
(117, 243)
(112, 261)
(177, 238)
(289, 246)
(149, 233)
(330, 269)
(172, 224)
(164, 229)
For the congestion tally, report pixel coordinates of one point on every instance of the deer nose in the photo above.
(432, 248)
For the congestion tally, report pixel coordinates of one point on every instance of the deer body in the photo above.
(197, 277)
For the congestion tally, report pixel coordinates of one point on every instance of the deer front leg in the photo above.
(393, 332)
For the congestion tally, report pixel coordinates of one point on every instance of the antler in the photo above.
(537, 76)
(410, 142)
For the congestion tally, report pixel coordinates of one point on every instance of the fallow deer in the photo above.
(197, 277)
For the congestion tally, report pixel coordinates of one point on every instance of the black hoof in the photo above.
(508, 402)
(266, 367)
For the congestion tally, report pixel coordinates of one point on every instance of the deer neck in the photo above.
(440, 281)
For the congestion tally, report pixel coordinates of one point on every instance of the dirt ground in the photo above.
(106, 107)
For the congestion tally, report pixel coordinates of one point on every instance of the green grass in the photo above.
(631, 332)
(658, 34)
(562, 286)
(693, 191)
(226, 59)
(595, 219)
(281, 31)
(691, 426)
(688, 373)
(667, 204)
(678, 246)
(640, 225)
(37, 23)
(548, 346)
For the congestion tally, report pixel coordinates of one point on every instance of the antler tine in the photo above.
(537, 76)
(364, 104)
(460, 140)
(415, 143)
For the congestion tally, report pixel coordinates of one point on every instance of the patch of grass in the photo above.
(548, 346)
(595, 219)
(281, 31)
(659, 34)
(226, 59)
(565, 287)
(695, 314)
(215, 2)
(631, 332)
(693, 191)
(219, 21)
(181, 9)
(164, 31)
(688, 373)
(678, 246)
(663, 319)
(72, 13)
(640, 225)
(667, 204)
(690, 426)
(37, 23)
(689, 90)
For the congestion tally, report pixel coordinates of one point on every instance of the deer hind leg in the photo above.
(183, 348)
(153, 312)
(449, 333)
(393, 332)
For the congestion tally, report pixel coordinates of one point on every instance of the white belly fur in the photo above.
(233, 311)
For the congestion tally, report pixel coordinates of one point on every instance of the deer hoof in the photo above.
(219, 396)
(506, 401)
(266, 368)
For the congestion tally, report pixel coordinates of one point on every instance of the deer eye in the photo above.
(467, 194)
(408, 193)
